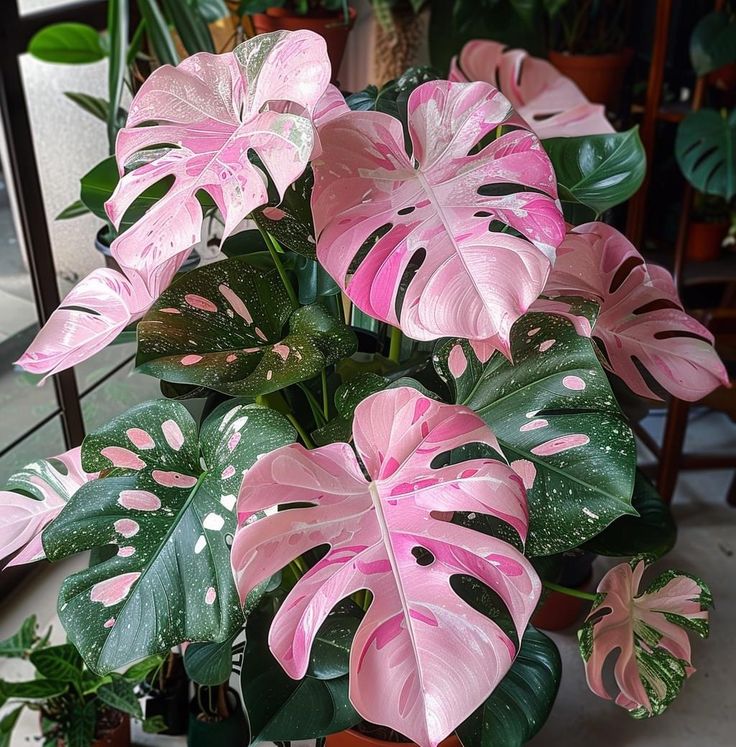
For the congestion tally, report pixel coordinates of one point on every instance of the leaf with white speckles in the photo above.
(558, 423)
(229, 326)
(169, 506)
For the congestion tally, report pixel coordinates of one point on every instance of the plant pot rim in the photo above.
(619, 59)
(451, 741)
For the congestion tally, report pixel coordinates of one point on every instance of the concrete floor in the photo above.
(703, 715)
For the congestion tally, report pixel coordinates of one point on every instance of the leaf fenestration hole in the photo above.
(423, 556)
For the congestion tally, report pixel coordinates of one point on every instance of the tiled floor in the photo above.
(705, 713)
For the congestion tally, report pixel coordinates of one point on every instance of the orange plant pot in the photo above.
(332, 28)
(350, 738)
(559, 611)
(599, 76)
(704, 240)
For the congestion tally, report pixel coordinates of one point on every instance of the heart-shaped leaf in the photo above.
(40, 491)
(519, 706)
(214, 108)
(280, 708)
(713, 42)
(653, 532)
(557, 420)
(550, 103)
(598, 171)
(642, 328)
(209, 664)
(447, 241)
(229, 326)
(169, 507)
(414, 664)
(705, 149)
(648, 631)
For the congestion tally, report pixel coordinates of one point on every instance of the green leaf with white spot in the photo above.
(517, 709)
(169, 507)
(557, 421)
(230, 326)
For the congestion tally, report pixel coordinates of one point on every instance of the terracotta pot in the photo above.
(331, 28)
(724, 81)
(704, 240)
(559, 611)
(350, 738)
(599, 76)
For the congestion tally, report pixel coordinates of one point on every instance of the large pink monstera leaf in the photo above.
(46, 487)
(649, 630)
(642, 327)
(422, 659)
(216, 110)
(446, 241)
(549, 102)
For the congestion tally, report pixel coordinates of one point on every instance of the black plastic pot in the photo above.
(169, 699)
(228, 732)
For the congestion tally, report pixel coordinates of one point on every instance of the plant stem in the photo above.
(394, 352)
(570, 592)
(302, 433)
(273, 249)
(325, 396)
(314, 405)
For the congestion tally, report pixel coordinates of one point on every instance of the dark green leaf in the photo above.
(705, 149)
(155, 725)
(229, 326)
(290, 221)
(74, 210)
(81, 724)
(93, 105)
(141, 669)
(210, 10)
(190, 25)
(62, 663)
(331, 649)
(158, 32)
(7, 724)
(119, 694)
(118, 17)
(713, 42)
(519, 706)
(70, 43)
(209, 663)
(652, 533)
(313, 280)
(172, 509)
(280, 708)
(537, 405)
(19, 646)
(31, 690)
(598, 171)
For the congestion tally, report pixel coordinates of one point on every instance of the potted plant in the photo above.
(75, 706)
(401, 41)
(382, 538)
(331, 19)
(587, 43)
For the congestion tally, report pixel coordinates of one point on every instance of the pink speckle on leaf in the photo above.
(269, 375)
(139, 500)
(173, 479)
(199, 302)
(526, 471)
(282, 350)
(113, 590)
(558, 445)
(273, 213)
(140, 438)
(534, 331)
(457, 361)
(170, 310)
(109, 623)
(210, 596)
(233, 441)
(546, 345)
(123, 458)
(172, 433)
(190, 360)
(228, 472)
(575, 383)
(126, 527)
(533, 425)
(126, 551)
(260, 334)
(236, 302)
(231, 358)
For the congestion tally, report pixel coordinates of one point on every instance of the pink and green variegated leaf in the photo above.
(416, 240)
(46, 486)
(92, 315)
(649, 632)
(229, 326)
(549, 102)
(214, 108)
(641, 324)
(422, 659)
(168, 506)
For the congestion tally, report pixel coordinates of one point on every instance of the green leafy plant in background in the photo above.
(76, 706)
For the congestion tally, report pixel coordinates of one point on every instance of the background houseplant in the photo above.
(401, 36)
(75, 706)
(425, 494)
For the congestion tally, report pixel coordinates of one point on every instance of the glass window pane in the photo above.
(47, 441)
